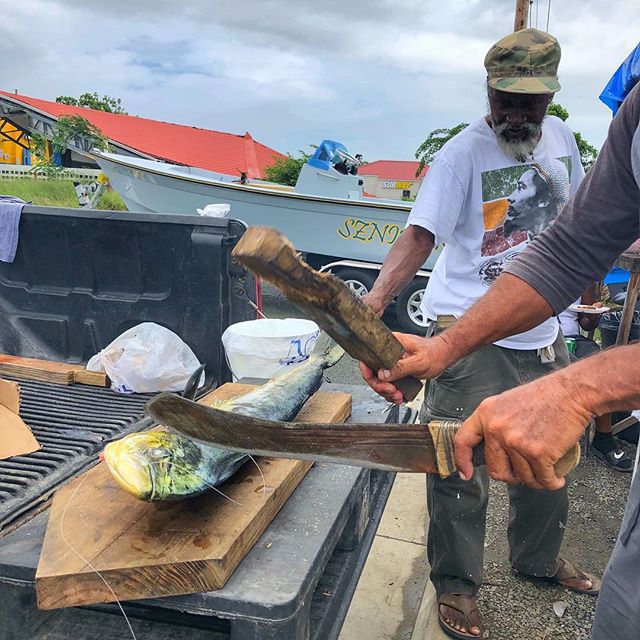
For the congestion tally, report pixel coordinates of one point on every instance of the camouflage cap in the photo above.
(524, 62)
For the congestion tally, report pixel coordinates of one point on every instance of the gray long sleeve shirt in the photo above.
(598, 223)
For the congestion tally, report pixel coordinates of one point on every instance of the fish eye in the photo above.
(156, 453)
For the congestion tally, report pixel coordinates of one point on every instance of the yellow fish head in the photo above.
(137, 461)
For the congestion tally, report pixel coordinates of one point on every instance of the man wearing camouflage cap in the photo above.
(488, 192)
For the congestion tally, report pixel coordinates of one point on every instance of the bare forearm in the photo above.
(608, 381)
(511, 306)
(405, 258)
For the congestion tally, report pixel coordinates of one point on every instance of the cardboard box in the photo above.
(15, 436)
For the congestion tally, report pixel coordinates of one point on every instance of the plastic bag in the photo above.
(215, 210)
(145, 359)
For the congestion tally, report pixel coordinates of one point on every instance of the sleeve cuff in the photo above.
(558, 299)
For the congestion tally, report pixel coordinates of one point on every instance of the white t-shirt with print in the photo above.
(569, 322)
(484, 206)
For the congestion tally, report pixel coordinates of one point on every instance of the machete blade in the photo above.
(403, 447)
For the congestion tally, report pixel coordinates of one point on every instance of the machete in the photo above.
(417, 448)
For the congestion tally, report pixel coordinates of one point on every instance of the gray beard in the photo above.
(520, 150)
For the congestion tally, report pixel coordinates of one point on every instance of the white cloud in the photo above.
(377, 74)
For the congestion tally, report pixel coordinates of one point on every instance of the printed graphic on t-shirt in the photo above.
(519, 202)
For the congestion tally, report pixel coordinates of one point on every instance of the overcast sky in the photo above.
(377, 75)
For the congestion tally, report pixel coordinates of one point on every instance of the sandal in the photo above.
(465, 603)
(567, 571)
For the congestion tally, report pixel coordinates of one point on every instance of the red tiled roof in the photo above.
(180, 144)
(392, 169)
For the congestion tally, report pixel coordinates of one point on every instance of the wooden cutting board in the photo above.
(148, 550)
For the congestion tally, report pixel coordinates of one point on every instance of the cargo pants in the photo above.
(457, 508)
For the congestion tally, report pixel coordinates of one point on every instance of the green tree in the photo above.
(434, 142)
(94, 101)
(286, 170)
(588, 153)
(66, 129)
(555, 109)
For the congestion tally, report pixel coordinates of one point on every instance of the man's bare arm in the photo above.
(529, 428)
(405, 257)
(510, 306)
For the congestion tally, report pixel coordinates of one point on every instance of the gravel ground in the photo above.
(514, 607)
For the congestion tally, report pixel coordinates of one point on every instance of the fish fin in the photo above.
(217, 403)
(328, 349)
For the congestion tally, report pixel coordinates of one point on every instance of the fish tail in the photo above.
(328, 350)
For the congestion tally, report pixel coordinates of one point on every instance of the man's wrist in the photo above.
(450, 349)
(381, 295)
(445, 354)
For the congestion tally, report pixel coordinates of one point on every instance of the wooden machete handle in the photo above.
(442, 432)
(327, 299)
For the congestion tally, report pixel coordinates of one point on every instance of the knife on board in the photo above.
(418, 448)
(326, 299)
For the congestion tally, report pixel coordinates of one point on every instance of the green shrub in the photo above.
(111, 201)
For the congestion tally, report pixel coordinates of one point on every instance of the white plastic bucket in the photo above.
(268, 348)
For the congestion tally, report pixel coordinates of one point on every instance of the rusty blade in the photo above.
(402, 447)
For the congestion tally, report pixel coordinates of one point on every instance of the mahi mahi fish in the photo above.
(159, 465)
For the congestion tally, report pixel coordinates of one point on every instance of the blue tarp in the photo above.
(616, 276)
(622, 81)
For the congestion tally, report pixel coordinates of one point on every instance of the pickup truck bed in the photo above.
(81, 278)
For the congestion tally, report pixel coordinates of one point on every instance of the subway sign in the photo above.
(399, 184)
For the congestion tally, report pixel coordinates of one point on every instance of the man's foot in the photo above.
(573, 579)
(459, 615)
(608, 449)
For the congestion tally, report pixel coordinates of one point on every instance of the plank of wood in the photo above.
(146, 550)
(91, 378)
(327, 299)
(46, 371)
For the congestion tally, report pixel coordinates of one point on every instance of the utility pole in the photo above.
(522, 14)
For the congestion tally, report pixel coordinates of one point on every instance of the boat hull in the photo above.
(351, 229)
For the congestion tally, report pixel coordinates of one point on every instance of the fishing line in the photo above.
(93, 568)
(64, 538)
(195, 473)
(264, 482)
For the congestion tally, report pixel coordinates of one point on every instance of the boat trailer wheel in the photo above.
(359, 281)
(408, 304)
